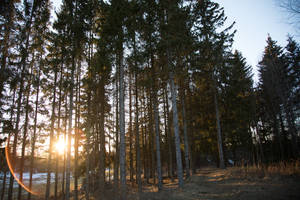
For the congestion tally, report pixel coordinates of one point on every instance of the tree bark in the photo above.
(176, 130)
(130, 132)
(137, 138)
(8, 142)
(47, 195)
(59, 130)
(116, 161)
(102, 137)
(122, 127)
(68, 164)
(151, 138)
(185, 135)
(157, 132)
(219, 134)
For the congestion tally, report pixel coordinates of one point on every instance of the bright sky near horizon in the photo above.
(255, 19)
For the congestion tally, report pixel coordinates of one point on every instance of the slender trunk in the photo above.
(68, 167)
(292, 129)
(167, 134)
(76, 139)
(58, 132)
(146, 157)
(34, 134)
(157, 137)
(109, 165)
(16, 131)
(144, 148)
(65, 151)
(4, 179)
(116, 161)
(262, 157)
(219, 134)
(170, 153)
(122, 127)
(186, 144)
(157, 131)
(23, 63)
(191, 130)
(8, 143)
(151, 139)
(137, 138)
(88, 135)
(176, 130)
(102, 137)
(25, 127)
(130, 132)
(96, 150)
(278, 135)
(51, 139)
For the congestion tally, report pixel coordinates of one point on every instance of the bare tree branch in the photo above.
(292, 8)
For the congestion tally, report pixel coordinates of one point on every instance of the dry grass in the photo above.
(266, 171)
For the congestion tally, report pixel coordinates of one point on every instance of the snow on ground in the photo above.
(37, 178)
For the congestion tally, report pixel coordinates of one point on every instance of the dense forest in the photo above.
(123, 93)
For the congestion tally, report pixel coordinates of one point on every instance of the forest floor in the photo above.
(210, 183)
(232, 183)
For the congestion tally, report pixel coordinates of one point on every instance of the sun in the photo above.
(60, 146)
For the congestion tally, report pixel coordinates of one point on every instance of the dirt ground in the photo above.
(212, 183)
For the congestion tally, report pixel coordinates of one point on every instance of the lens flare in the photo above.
(38, 182)
(12, 171)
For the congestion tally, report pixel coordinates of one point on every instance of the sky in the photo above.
(255, 19)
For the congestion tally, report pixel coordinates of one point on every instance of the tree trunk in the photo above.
(77, 133)
(219, 134)
(116, 161)
(137, 138)
(122, 127)
(23, 74)
(157, 132)
(34, 134)
(25, 127)
(169, 136)
(144, 143)
(88, 134)
(151, 138)
(166, 133)
(191, 130)
(8, 142)
(58, 131)
(262, 157)
(186, 143)
(47, 196)
(176, 130)
(102, 138)
(278, 136)
(130, 132)
(16, 131)
(65, 151)
(68, 164)
(292, 129)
